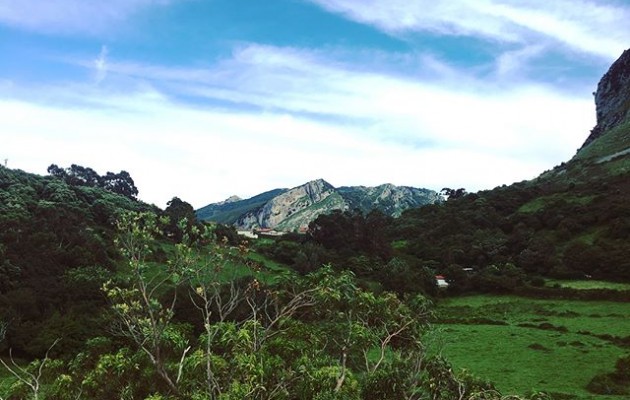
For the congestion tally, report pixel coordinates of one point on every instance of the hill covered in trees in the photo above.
(117, 299)
(56, 240)
(570, 222)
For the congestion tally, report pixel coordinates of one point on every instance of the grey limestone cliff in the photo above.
(286, 206)
(612, 98)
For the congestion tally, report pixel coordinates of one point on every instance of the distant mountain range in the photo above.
(292, 209)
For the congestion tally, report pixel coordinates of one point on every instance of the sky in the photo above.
(204, 99)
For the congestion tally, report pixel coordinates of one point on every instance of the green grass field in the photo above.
(589, 284)
(528, 345)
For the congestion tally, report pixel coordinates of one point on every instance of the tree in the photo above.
(56, 171)
(82, 176)
(120, 183)
(181, 217)
(453, 193)
(142, 317)
(30, 377)
(77, 175)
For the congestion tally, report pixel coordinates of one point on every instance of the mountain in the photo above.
(612, 98)
(228, 211)
(291, 209)
(391, 200)
(571, 221)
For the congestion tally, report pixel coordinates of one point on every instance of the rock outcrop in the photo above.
(612, 98)
(390, 199)
(287, 211)
(292, 209)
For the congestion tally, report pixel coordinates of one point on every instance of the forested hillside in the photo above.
(56, 247)
(570, 222)
(119, 300)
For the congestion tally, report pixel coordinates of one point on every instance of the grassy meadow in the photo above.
(525, 345)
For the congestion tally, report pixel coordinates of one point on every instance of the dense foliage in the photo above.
(573, 222)
(56, 245)
(242, 335)
(121, 183)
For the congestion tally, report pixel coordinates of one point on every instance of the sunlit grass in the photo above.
(589, 284)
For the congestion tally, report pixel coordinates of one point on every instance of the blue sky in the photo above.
(203, 99)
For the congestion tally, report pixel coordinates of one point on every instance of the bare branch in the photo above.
(27, 378)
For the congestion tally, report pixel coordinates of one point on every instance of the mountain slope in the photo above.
(571, 221)
(391, 200)
(292, 209)
(229, 211)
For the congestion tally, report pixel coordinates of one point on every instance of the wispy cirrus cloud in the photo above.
(70, 16)
(587, 26)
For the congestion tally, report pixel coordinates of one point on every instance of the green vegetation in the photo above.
(228, 213)
(553, 346)
(235, 337)
(614, 141)
(540, 203)
(589, 284)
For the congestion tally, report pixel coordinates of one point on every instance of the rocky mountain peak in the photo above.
(612, 98)
(293, 209)
(230, 199)
(315, 189)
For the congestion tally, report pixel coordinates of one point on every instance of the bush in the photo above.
(614, 383)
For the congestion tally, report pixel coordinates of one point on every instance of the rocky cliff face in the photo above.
(292, 209)
(612, 98)
(288, 205)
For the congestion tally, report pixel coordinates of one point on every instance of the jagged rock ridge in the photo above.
(612, 98)
(292, 209)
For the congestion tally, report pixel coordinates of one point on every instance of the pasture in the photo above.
(526, 345)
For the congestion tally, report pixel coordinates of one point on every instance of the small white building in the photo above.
(248, 234)
(441, 281)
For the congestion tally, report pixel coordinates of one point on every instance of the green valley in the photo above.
(103, 296)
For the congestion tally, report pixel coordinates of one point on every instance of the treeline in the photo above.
(361, 243)
(120, 183)
(574, 230)
(498, 241)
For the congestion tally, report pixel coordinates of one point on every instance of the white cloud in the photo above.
(303, 116)
(70, 16)
(589, 26)
(100, 65)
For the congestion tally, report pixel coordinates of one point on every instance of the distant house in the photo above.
(268, 232)
(441, 281)
(248, 234)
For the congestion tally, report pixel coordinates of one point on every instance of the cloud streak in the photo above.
(586, 26)
(70, 16)
(272, 117)
(100, 65)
